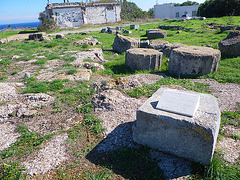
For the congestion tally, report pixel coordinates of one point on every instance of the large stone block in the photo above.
(230, 46)
(193, 60)
(123, 43)
(143, 59)
(156, 34)
(167, 48)
(158, 44)
(175, 131)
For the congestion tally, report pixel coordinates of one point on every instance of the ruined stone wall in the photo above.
(76, 14)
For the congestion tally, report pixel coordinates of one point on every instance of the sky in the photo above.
(22, 11)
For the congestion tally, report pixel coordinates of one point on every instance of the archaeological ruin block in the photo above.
(143, 59)
(122, 43)
(193, 60)
(156, 34)
(167, 48)
(182, 123)
(158, 44)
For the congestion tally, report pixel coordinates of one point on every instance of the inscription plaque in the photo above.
(178, 102)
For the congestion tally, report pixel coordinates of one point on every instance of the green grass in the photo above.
(148, 90)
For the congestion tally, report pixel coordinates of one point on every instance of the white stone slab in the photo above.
(179, 102)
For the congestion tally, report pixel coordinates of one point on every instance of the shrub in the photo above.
(46, 24)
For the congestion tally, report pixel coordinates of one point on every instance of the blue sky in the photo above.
(21, 11)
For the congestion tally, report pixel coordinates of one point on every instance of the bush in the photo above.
(46, 24)
(219, 8)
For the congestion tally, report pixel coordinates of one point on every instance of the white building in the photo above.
(76, 13)
(170, 11)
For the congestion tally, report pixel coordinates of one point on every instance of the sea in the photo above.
(19, 25)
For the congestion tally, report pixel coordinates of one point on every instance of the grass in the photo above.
(128, 163)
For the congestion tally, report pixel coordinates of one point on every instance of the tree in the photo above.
(151, 12)
(219, 8)
(46, 24)
(130, 11)
(187, 3)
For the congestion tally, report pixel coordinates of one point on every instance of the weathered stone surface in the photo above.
(94, 54)
(81, 75)
(193, 138)
(59, 36)
(123, 43)
(230, 46)
(39, 36)
(193, 60)
(156, 34)
(157, 44)
(143, 59)
(150, 30)
(127, 32)
(88, 40)
(167, 48)
(104, 30)
(133, 26)
(144, 43)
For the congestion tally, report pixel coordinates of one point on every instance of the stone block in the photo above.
(144, 43)
(143, 59)
(112, 31)
(127, 32)
(150, 30)
(156, 34)
(157, 44)
(230, 46)
(122, 43)
(104, 30)
(167, 48)
(133, 26)
(191, 137)
(193, 60)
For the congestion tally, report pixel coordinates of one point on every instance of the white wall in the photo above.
(169, 10)
(68, 17)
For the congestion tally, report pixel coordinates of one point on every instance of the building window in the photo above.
(185, 12)
(194, 13)
(177, 14)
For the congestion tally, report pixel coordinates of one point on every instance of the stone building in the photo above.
(75, 14)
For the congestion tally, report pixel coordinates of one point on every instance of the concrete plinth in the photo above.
(143, 59)
(193, 138)
(193, 60)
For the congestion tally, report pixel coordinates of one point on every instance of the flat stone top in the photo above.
(206, 113)
(143, 51)
(154, 42)
(156, 31)
(178, 102)
(197, 50)
(128, 38)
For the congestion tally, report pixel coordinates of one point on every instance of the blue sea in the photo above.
(19, 25)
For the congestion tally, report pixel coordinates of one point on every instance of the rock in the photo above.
(93, 66)
(179, 32)
(118, 32)
(94, 54)
(150, 30)
(167, 48)
(143, 59)
(27, 75)
(15, 57)
(25, 112)
(202, 18)
(81, 75)
(112, 31)
(59, 36)
(230, 46)
(86, 33)
(123, 43)
(37, 100)
(156, 34)
(104, 30)
(193, 60)
(192, 138)
(157, 44)
(144, 43)
(39, 36)
(127, 32)
(133, 26)
(229, 27)
(7, 110)
(119, 28)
